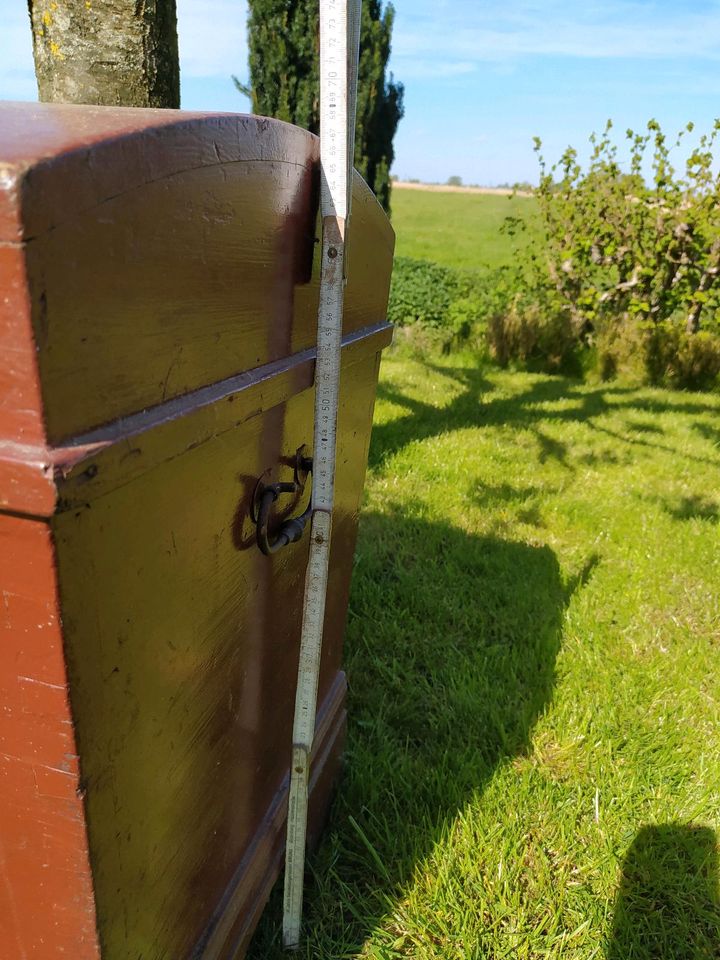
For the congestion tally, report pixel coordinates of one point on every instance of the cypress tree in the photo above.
(284, 78)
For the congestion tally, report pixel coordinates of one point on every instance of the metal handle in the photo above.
(266, 494)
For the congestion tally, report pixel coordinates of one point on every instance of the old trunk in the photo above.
(160, 282)
(107, 52)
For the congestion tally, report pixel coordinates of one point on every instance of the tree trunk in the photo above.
(108, 52)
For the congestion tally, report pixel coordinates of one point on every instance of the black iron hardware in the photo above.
(266, 494)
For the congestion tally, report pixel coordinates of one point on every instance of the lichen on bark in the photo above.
(107, 52)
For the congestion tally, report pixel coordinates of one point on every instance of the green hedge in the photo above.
(445, 299)
(422, 292)
(495, 312)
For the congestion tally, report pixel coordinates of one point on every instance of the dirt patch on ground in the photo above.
(446, 188)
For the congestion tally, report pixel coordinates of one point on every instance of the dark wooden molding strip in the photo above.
(43, 480)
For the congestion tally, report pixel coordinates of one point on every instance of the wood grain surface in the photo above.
(43, 480)
(183, 658)
(46, 896)
(157, 329)
(161, 257)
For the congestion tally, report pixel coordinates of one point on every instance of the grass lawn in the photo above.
(457, 229)
(533, 758)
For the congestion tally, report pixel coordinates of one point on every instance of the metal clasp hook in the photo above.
(266, 494)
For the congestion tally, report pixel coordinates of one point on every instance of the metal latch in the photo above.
(266, 494)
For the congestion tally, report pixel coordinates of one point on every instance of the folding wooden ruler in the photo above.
(339, 43)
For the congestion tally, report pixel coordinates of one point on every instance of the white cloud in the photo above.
(427, 68)
(472, 31)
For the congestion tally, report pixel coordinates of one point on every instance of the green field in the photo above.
(533, 653)
(457, 229)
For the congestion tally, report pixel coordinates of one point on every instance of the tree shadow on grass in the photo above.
(451, 647)
(451, 650)
(643, 426)
(477, 406)
(694, 507)
(668, 904)
(708, 432)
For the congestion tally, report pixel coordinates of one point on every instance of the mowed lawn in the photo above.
(533, 652)
(458, 229)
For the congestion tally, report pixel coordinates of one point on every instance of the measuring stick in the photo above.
(339, 38)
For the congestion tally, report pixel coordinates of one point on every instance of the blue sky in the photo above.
(482, 77)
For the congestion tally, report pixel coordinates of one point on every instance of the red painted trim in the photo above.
(46, 898)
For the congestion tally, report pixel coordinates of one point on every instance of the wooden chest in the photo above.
(159, 286)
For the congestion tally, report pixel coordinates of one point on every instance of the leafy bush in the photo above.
(422, 292)
(534, 337)
(440, 308)
(464, 316)
(676, 358)
(623, 272)
(492, 311)
(695, 363)
(455, 302)
(631, 263)
(617, 246)
(663, 354)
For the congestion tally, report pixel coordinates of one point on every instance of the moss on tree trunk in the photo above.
(107, 52)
